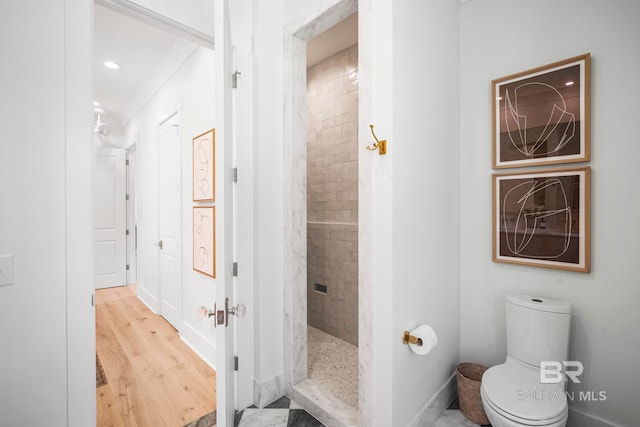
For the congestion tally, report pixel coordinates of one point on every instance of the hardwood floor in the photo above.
(153, 378)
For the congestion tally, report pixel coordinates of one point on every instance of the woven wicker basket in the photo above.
(469, 376)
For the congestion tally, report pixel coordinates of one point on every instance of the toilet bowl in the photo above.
(513, 396)
(513, 393)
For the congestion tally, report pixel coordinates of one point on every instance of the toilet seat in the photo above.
(521, 421)
(515, 392)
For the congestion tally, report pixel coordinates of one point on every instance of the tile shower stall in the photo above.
(332, 195)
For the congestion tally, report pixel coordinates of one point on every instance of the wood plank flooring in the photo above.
(153, 378)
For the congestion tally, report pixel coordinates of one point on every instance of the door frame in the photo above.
(78, 119)
(297, 385)
(224, 217)
(82, 404)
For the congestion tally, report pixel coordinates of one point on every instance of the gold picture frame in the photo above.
(204, 240)
(542, 218)
(204, 167)
(542, 116)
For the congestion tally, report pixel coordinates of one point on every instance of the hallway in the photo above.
(153, 378)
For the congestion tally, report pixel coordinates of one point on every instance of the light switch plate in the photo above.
(6, 270)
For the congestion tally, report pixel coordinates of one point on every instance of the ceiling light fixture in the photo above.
(96, 104)
(569, 83)
(111, 64)
(100, 127)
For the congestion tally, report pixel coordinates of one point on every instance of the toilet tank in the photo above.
(537, 328)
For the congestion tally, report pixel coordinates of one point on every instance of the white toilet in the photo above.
(512, 393)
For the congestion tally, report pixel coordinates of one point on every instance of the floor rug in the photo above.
(101, 379)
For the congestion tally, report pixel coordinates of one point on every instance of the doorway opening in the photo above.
(332, 211)
(155, 351)
(312, 394)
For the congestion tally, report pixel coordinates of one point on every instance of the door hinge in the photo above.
(235, 270)
(126, 197)
(127, 266)
(235, 175)
(235, 363)
(127, 232)
(234, 79)
(126, 162)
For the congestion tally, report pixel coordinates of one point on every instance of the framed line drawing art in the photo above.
(541, 218)
(542, 116)
(204, 159)
(204, 240)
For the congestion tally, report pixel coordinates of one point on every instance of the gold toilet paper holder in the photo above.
(407, 338)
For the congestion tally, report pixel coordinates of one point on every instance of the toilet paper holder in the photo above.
(407, 338)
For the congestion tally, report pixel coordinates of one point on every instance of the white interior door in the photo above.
(225, 377)
(169, 219)
(109, 218)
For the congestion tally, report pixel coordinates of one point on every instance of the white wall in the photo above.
(46, 317)
(375, 245)
(191, 90)
(425, 205)
(32, 178)
(501, 37)
(268, 136)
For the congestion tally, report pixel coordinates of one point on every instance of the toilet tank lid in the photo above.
(539, 303)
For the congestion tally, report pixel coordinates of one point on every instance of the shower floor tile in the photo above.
(333, 365)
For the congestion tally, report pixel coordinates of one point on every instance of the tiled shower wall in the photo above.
(332, 195)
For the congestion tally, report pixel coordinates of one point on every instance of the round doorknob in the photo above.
(239, 311)
(204, 313)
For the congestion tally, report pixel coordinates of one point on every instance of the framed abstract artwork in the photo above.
(541, 218)
(541, 116)
(204, 240)
(204, 167)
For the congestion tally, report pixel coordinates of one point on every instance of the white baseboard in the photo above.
(147, 299)
(580, 419)
(430, 412)
(268, 391)
(200, 344)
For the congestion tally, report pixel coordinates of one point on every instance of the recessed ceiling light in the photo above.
(96, 104)
(569, 83)
(111, 64)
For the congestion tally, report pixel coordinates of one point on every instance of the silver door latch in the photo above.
(222, 316)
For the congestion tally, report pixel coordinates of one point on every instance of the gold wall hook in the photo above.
(407, 338)
(381, 146)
